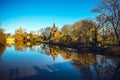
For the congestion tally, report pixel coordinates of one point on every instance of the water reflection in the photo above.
(2, 49)
(23, 45)
(53, 62)
(91, 66)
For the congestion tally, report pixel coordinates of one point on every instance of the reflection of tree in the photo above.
(67, 55)
(102, 69)
(85, 59)
(91, 66)
(2, 37)
(116, 75)
(23, 45)
(86, 73)
(19, 45)
(2, 49)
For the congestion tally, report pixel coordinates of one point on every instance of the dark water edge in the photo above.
(108, 51)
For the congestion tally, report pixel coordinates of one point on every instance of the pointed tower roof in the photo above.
(20, 27)
(20, 30)
(53, 25)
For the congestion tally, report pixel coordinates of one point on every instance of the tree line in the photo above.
(103, 30)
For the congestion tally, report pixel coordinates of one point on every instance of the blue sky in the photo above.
(36, 14)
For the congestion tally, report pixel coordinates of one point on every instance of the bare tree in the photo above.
(110, 9)
(45, 32)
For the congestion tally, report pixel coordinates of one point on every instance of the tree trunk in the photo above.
(118, 38)
(119, 43)
(95, 41)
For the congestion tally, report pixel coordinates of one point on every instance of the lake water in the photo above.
(45, 62)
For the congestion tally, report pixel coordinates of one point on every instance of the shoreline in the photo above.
(94, 50)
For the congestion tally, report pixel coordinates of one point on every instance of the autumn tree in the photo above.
(2, 35)
(90, 29)
(65, 39)
(66, 29)
(19, 34)
(67, 34)
(85, 31)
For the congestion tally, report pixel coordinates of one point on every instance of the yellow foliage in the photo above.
(56, 35)
(10, 40)
(18, 37)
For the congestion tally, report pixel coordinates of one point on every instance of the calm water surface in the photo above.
(44, 62)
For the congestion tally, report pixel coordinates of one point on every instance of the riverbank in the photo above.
(107, 50)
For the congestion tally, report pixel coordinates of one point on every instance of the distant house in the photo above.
(24, 36)
(10, 40)
(55, 35)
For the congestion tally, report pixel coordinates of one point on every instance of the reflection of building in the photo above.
(54, 51)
